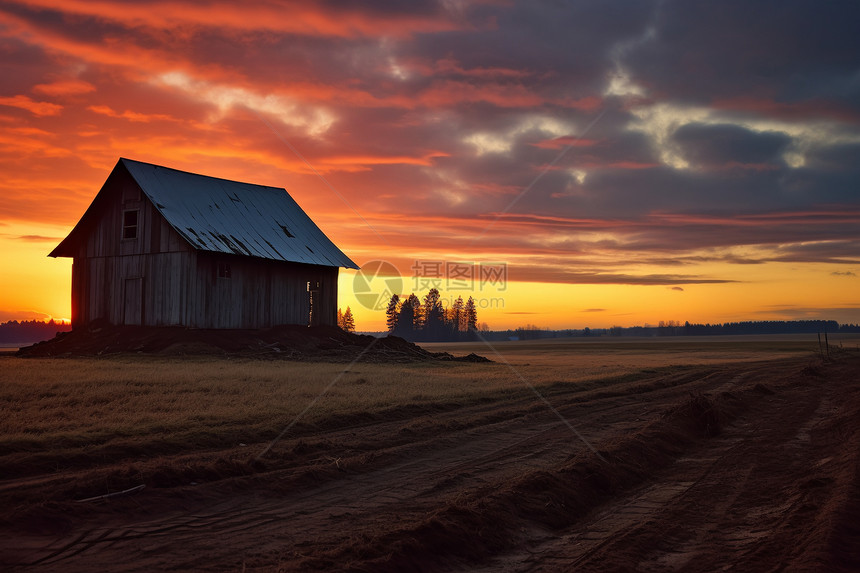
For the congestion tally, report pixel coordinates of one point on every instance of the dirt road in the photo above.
(753, 466)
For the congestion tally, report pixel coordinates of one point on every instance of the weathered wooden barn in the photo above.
(162, 247)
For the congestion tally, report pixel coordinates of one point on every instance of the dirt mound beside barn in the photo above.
(291, 342)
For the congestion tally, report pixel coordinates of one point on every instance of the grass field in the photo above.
(390, 465)
(84, 402)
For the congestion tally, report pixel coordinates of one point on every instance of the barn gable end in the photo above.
(162, 247)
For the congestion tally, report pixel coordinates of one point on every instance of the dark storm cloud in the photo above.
(614, 148)
(839, 158)
(566, 46)
(729, 145)
(833, 251)
(386, 7)
(637, 192)
(668, 240)
(788, 51)
(822, 186)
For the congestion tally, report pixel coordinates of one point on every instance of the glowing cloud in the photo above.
(39, 108)
(315, 120)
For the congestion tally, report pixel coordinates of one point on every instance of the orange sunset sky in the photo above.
(628, 162)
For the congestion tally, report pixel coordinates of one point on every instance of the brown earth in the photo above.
(752, 466)
(291, 342)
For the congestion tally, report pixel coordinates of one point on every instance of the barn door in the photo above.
(133, 307)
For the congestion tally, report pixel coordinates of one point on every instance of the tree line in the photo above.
(28, 331)
(672, 328)
(429, 320)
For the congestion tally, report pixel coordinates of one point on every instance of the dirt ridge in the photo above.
(289, 342)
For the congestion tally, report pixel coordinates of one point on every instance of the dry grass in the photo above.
(88, 400)
(169, 404)
(580, 359)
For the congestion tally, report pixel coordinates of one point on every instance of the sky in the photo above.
(598, 162)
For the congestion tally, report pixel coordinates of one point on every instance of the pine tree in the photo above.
(417, 314)
(434, 315)
(405, 323)
(458, 317)
(348, 321)
(340, 318)
(392, 313)
(471, 313)
(432, 302)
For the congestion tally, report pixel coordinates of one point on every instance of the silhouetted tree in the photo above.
(458, 316)
(417, 314)
(340, 318)
(392, 312)
(406, 320)
(348, 321)
(434, 315)
(471, 312)
(430, 321)
(27, 331)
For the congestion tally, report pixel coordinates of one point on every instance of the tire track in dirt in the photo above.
(388, 484)
(747, 497)
(400, 427)
(379, 491)
(472, 458)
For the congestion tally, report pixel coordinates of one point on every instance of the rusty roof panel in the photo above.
(224, 216)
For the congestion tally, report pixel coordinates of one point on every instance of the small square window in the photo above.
(223, 271)
(129, 224)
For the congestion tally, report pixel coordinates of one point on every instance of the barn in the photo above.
(162, 247)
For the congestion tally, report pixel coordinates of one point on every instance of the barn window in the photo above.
(223, 270)
(129, 224)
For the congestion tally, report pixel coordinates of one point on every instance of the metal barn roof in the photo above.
(223, 216)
